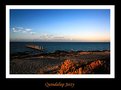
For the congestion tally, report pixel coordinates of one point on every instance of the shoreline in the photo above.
(57, 51)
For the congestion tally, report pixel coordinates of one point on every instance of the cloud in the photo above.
(16, 29)
(58, 37)
(32, 33)
(22, 30)
(51, 37)
(28, 30)
(19, 27)
(46, 36)
(13, 28)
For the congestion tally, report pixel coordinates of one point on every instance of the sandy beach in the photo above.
(61, 62)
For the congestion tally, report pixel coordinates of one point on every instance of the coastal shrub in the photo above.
(67, 67)
(71, 67)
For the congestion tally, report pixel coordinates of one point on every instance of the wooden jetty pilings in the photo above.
(36, 47)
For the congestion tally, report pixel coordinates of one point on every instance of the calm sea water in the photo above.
(53, 46)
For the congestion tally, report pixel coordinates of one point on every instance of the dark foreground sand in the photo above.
(52, 63)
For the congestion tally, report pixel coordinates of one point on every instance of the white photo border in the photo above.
(112, 41)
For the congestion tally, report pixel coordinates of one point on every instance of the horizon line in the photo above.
(57, 41)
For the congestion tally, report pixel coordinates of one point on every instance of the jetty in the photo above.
(35, 47)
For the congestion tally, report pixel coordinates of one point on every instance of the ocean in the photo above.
(66, 46)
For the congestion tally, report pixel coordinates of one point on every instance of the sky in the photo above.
(60, 25)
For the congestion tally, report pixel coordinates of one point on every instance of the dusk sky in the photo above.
(60, 25)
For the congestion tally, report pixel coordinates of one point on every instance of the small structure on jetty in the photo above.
(35, 47)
